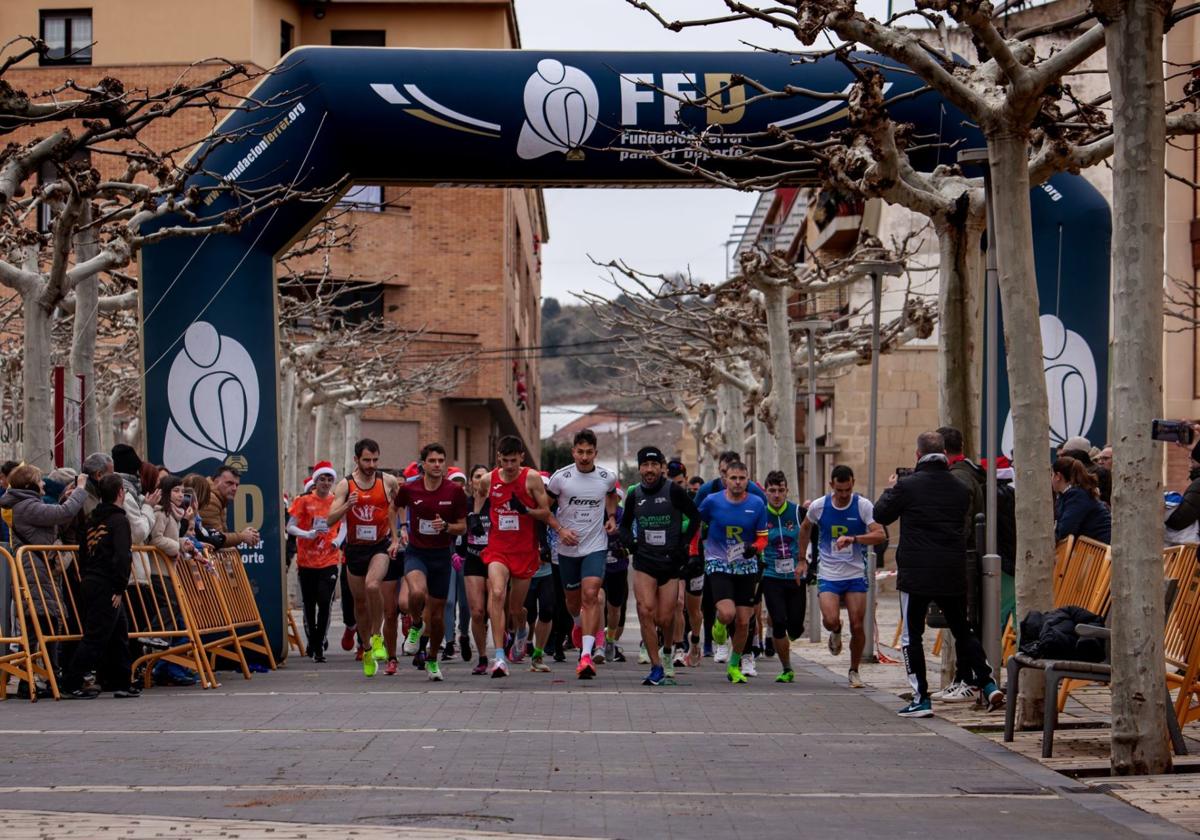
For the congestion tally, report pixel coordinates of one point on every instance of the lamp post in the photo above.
(812, 480)
(876, 270)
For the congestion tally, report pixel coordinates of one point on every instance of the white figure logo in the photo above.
(561, 105)
(1071, 385)
(212, 391)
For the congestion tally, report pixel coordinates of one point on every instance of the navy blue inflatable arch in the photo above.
(464, 117)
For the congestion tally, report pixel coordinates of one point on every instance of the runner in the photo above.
(688, 615)
(658, 508)
(518, 501)
(587, 505)
(372, 544)
(438, 513)
(537, 614)
(616, 593)
(737, 532)
(782, 585)
(846, 525)
(317, 557)
(474, 569)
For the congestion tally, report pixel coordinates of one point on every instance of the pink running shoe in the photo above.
(585, 670)
(499, 669)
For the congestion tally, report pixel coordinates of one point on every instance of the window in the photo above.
(358, 38)
(68, 34)
(287, 37)
(366, 197)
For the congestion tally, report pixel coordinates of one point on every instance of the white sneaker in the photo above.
(610, 650)
(668, 667)
(835, 643)
(941, 693)
(747, 667)
(962, 693)
(854, 680)
(721, 653)
(598, 654)
(679, 660)
(643, 656)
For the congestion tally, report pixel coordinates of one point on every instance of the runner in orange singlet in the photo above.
(365, 499)
(517, 498)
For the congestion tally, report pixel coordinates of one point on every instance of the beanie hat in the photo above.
(324, 468)
(1078, 442)
(126, 460)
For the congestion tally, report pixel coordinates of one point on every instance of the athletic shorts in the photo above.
(434, 563)
(540, 602)
(358, 557)
(473, 565)
(574, 569)
(663, 573)
(692, 575)
(841, 587)
(616, 587)
(741, 589)
(786, 605)
(520, 566)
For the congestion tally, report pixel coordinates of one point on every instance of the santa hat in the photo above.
(412, 470)
(324, 468)
(308, 484)
(456, 474)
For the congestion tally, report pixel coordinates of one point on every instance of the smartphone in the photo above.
(1172, 431)
(903, 471)
(187, 500)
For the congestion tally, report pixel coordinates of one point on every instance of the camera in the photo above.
(1172, 431)
(901, 472)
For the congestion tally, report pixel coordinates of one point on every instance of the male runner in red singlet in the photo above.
(517, 498)
(365, 499)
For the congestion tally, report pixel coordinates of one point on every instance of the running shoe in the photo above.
(481, 667)
(577, 636)
(390, 670)
(835, 643)
(668, 667)
(747, 666)
(854, 680)
(559, 656)
(464, 647)
(917, 709)
(787, 676)
(319, 657)
(377, 649)
(518, 648)
(720, 633)
(995, 697)
(598, 656)
(643, 655)
(769, 647)
(419, 659)
(348, 638)
(82, 694)
(370, 666)
(499, 669)
(655, 677)
(132, 692)
(618, 654)
(694, 655)
(358, 655)
(586, 669)
(610, 651)
(735, 675)
(448, 651)
(538, 664)
(950, 689)
(679, 659)
(962, 693)
(721, 653)
(412, 642)
(432, 671)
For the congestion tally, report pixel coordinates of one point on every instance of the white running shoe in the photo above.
(721, 653)
(835, 643)
(610, 650)
(854, 680)
(747, 667)
(643, 656)
(941, 693)
(679, 659)
(962, 693)
(668, 667)
(598, 655)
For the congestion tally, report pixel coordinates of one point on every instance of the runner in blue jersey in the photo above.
(737, 532)
(783, 592)
(846, 526)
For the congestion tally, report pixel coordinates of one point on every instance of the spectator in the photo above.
(1104, 459)
(172, 523)
(1078, 443)
(95, 467)
(56, 483)
(139, 507)
(694, 485)
(1187, 512)
(223, 488)
(148, 478)
(1078, 511)
(932, 508)
(106, 559)
(968, 474)
(200, 489)
(5, 513)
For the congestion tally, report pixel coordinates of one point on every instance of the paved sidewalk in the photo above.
(537, 754)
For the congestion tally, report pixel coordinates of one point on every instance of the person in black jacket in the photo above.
(1188, 512)
(105, 561)
(932, 508)
(1078, 511)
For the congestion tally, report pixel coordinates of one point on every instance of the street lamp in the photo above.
(876, 270)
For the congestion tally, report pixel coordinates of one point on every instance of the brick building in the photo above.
(463, 264)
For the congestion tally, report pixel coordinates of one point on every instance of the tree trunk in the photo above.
(731, 417)
(107, 423)
(36, 410)
(323, 435)
(83, 343)
(337, 433)
(353, 434)
(764, 451)
(959, 327)
(1008, 151)
(1134, 47)
(783, 384)
(304, 434)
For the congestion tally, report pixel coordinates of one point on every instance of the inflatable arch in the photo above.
(492, 118)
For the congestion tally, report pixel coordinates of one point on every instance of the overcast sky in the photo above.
(660, 230)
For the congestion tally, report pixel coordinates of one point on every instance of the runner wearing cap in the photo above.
(658, 508)
(317, 556)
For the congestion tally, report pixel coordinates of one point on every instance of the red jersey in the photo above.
(310, 510)
(448, 501)
(367, 519)
(511, 532)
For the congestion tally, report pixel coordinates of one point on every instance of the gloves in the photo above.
(457, 562)
(475, 525)
(516, 505)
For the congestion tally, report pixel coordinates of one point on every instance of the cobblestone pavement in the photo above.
(540, 754)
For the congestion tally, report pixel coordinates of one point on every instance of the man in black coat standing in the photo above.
(932, 508)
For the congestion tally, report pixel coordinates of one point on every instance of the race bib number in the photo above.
(509, 522)
(365, 533)
(735, 552)
(656, 538)
(785, 565)
(585, 516)
(425, 526)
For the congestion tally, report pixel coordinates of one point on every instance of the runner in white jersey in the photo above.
(586, 515)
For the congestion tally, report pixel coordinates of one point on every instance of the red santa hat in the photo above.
(308, 484)
(324, 468)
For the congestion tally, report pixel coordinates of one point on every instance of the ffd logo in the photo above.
(561, 104)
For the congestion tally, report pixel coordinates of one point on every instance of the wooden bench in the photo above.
(1181, 643)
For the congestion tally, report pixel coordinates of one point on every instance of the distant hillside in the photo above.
(578, 364)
